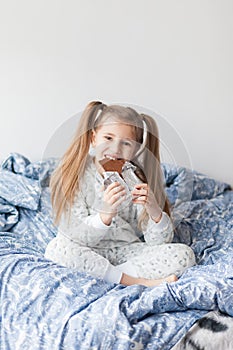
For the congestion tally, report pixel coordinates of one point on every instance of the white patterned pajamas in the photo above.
(84, 243)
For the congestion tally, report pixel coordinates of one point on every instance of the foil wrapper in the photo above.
(129, 176)
(128, 179)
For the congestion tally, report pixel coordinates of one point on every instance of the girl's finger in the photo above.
(116, 189)
(113, 195)
(118, 202)
(140, 186)
(140, 200)
(112, 185)
(114, 198)
(140, 192)
(110, 192)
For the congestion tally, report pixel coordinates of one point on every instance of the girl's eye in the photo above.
(126, 143)
(108, 138)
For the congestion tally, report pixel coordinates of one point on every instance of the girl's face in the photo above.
(114, 140)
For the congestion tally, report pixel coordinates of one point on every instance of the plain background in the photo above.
(171, 57)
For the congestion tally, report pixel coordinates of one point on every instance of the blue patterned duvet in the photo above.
(46, 306)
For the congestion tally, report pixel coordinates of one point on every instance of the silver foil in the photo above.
(129, 179)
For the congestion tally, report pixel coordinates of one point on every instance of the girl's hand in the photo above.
(142, 194)
(114, 195)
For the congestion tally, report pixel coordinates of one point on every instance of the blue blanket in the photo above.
(47, 306)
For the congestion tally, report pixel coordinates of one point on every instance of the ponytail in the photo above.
(152, 167)
(65, 180)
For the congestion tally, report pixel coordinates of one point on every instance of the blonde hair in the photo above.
(65, 180)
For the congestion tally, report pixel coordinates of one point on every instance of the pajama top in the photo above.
(86, 228)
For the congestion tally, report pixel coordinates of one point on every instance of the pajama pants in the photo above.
(135, 259)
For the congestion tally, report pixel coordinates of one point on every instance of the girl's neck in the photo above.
(98, 166)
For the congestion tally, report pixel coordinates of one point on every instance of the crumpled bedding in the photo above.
(47, 306)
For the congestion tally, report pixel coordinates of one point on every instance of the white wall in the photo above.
(171, 57)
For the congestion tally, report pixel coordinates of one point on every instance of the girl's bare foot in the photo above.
(129, 281)
(157, 282)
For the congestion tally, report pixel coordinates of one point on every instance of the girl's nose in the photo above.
(116, 147)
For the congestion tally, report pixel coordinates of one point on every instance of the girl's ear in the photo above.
(93, 138)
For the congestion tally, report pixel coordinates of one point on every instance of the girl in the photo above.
(101, 231)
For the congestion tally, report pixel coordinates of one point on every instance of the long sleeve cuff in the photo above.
(159, 233)
(113, 274)
(163, 223)
(96, 222)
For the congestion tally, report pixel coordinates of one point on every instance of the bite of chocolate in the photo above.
(112, 164)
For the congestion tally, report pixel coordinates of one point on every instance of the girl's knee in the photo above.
(187, 254)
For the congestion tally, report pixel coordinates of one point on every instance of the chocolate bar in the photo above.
(113, 165)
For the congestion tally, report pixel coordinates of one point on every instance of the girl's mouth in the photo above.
(112, 157)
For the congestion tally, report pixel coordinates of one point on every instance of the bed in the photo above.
(47, 306)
